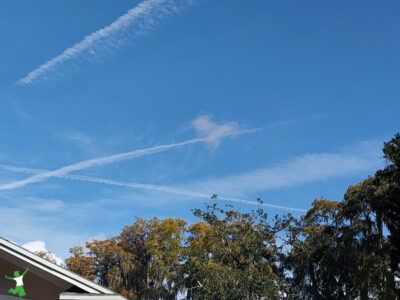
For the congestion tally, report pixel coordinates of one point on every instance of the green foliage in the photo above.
(389, 204)
(143, 261)
(230, 255)
(376, 279)
(321, 256)
(338, 250)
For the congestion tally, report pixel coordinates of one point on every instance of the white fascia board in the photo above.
(76, 296)
(51, 268)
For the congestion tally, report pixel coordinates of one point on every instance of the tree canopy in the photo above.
(348, 249)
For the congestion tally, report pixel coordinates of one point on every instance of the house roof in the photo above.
(54, 273)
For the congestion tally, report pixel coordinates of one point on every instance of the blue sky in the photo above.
(282, 100)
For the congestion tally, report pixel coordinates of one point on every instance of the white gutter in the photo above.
(76, 296)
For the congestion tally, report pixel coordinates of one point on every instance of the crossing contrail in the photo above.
(96, 162)
(211, 136)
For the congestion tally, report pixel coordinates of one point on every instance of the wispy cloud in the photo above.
(213, 132)
(83, 141)
(151, 187)
(80, 138)
(299, 170)
(136, 21)
(210, 135)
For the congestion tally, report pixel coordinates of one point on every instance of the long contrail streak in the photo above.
(144, 16)
(151, 187)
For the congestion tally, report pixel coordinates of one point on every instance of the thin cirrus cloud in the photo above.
(213, 132)
(135, 22)
(302, 169)
(207, 128)
(215, 135)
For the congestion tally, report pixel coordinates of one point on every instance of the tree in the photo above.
(360, 207)
(322, 254)
(47, 256)
(80, 263)
(389, 203)
(143, 262)
(166, 247)
(231, 255)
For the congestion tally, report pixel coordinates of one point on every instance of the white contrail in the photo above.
(116, 157)
(151, 187)
(144, 16)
